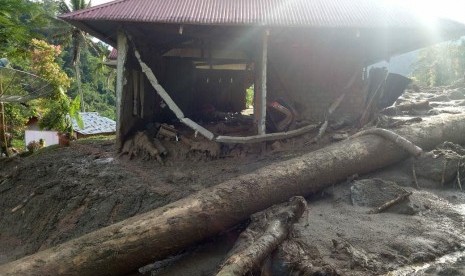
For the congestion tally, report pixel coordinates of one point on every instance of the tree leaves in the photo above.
(441, 64)
(74, 108)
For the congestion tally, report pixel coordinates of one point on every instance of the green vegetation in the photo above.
(249, 97)
(35, 41)
(441, 64)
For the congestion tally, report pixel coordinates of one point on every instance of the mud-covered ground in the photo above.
(60, 193)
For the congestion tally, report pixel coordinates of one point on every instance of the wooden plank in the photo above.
(171, 104)
(136, 93)
(265, 137)
(160, 90)
(122, 47)
(262, 98)
(142, 94)
(205, 132)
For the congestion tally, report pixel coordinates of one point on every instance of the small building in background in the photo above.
(94, 124)
(34, 133)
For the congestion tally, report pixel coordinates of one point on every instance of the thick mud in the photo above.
(61, 193)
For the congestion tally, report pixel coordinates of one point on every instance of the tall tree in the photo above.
(440, 64)
(19, 22)
(78, 40)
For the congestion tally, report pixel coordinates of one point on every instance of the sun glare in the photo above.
(452, 9)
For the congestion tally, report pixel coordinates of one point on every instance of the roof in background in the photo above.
(315, 13)
(94, 124)
(113, 54)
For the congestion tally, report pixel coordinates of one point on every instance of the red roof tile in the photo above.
(113, 54)
(315, 13)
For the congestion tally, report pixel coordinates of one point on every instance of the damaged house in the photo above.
(191, 61)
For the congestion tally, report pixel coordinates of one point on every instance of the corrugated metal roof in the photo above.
(317, 13)
(94, 124)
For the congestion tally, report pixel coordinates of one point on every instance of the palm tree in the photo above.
(77, 38)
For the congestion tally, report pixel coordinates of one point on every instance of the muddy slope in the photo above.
(61, 193)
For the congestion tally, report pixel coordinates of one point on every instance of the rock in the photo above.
(422, 257)
(457, 94)
(375, 192)
(433, 169)
(440, 98)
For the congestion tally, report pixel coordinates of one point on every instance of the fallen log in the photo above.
(134, 242)
(256, 242)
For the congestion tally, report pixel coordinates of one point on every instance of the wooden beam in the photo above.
(160, 90)
(265, 137)
(142, 94)
(122, 47)
(198, 128)
(166, 97)
(261, 123)
(136, 93)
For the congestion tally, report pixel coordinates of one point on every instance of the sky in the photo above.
(453, 9)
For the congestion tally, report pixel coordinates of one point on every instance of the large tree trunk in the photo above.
(127, 245)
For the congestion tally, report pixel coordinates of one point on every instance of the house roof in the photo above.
(315, 13)
(113, 54)
(384, 28)
(94, 124)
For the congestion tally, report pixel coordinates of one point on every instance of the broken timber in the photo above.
(265, 137)
(125, 246)
(205, 132)
(403, 143)
(267, 230)
(166, 97)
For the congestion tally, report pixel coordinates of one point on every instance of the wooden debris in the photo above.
(372, 101)
(390, 203)
(333, 108)
(167, 132)
(23, 203)
(254, 245)
(166, 97)
(444, 167)
(394, 138)
(198, 128)
(132, 243)
(422, 105)
(211, 148)
(414, 175)
(321, 132)
(340, 136)
(265, 137)
(459, 182)
(161, 149)
(141, 143)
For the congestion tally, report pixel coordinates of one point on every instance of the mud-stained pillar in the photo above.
(122, 47)
(260, 85)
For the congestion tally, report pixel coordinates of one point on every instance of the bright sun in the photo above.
(452, 9)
